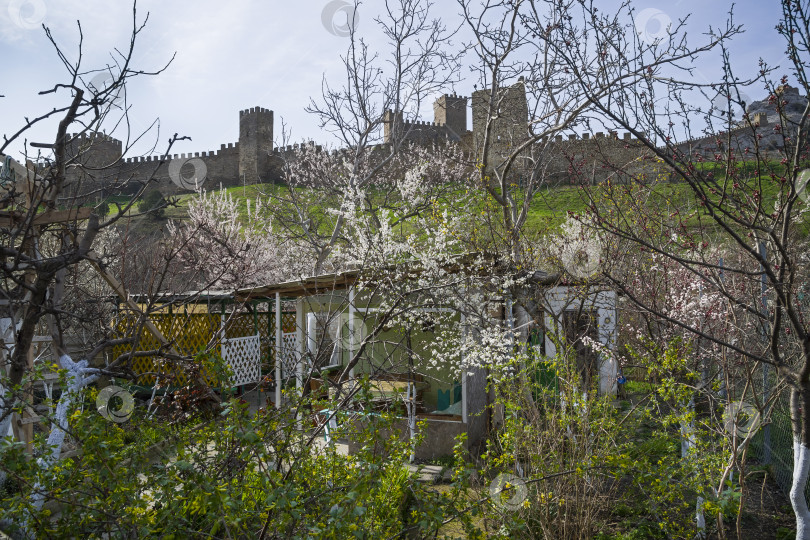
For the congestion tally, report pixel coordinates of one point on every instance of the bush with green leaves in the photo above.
(154, 203)
(581, 456)
(234, 474)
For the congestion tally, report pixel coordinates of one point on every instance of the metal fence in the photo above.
(773, 444)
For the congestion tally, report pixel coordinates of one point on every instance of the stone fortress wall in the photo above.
(247, 161)
(449, 123)
(558, 157)
(253, 158)
(595, 157)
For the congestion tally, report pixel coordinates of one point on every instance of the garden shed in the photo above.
(333, 316)
(305, 334)
(334, 313)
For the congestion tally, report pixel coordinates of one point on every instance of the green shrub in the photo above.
(154, 203)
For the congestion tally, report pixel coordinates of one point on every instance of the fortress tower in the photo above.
(450, 123)
(255, 144)
(94, 150)
(510, 116)
(95, 158)
(452, 112)
(392, 125)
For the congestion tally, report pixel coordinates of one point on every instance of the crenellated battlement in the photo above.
(255, 159)
(230, 149)
(80, 137)
(290, 148)
(245, 161)
(587, 137)
(741, 139)
(104, 148)
(254, 110)
(421, 130)
(454, 95)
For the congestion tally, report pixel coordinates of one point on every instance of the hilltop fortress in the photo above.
(247, 161)
(253, 158)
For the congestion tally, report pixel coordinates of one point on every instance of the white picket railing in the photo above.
(289, 354)
(244, 357)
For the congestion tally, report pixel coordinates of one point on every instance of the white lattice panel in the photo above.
(289, 354)
(244, 356)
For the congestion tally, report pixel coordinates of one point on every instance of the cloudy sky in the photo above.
(245, 53)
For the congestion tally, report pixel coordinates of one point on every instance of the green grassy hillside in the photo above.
(548, 209)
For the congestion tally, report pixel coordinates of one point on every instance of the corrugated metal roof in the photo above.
(302, 287)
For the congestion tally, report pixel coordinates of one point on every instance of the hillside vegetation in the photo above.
(548, 209)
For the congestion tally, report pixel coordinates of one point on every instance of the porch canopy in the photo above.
(302, 287)
(334, 315)
(325, 283)
(345, 298)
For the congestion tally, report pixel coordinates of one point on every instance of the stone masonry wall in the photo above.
(254, 159)
(509, 111)
(102, 170)
(177, 174)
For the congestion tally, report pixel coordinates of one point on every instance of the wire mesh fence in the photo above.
(772, 446)
(780, 456)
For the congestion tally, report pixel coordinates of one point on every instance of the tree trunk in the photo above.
(7, 402)
(801, 462)
(6, 405)
(687, 444)
(801, 468)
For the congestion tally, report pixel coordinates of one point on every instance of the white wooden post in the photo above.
(299, 361)
(608, 368)
(222, 320)
(299, 336)
(312, 335)
(223, 343)
(463, 372)
(351, 329)
(279, 353)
